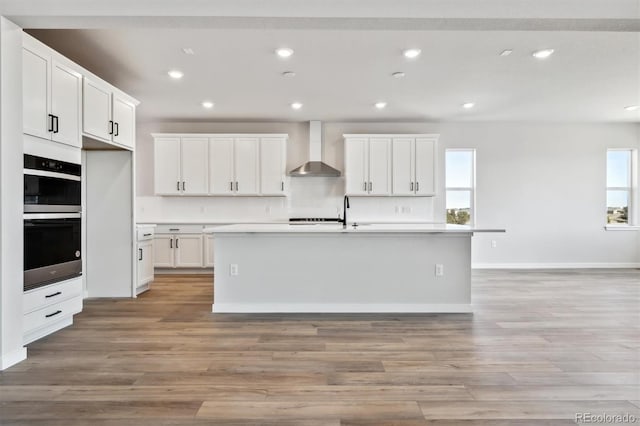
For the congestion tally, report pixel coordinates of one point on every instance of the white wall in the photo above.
(11, 197)
(543, 183)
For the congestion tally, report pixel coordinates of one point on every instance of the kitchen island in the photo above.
(328, 268)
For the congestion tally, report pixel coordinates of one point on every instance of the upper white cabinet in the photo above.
(400, 165)
(108, 115)
(51, 95)
(220, 164)
(367, 165)
(273, 165)
(181, 166)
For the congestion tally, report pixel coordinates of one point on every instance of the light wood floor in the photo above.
(541, 347)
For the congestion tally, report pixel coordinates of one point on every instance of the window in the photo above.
(619, 186)
(460, 182)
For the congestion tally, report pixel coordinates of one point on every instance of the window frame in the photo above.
(471, 189)
(630, 189)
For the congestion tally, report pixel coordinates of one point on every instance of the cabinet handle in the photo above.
(140, 252)
(177, 246)
(231, 186)
(370, 187)
(178, 185)
(411, 187)
(117, 129)
(170, 242)
(365, 186)
(57, 293)
(282, 186)
(183, 186)
(110, 127)
(174, 229)
(417, 186)
(53, 314)
(236, 185)
(50, 123)
(56, 120)
(146, 235)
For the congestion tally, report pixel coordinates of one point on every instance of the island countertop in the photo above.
(286, 228)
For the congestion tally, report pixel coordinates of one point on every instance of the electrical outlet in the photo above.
(439, 270)
(494, 244)
(233, 269)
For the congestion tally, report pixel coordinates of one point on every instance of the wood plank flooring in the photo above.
(540, 347)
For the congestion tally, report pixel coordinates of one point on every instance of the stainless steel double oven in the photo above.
(52, 221)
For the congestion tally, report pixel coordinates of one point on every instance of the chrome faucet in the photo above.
(345, 206)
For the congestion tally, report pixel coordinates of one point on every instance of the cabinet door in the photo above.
(246, 166)
(145, 262)
(272, 165)
(35, 94)
(379, 166)
(96, 111)
(166, 167)
(208, 251)
(163, 248)
(356, 167)
(221, 180)
(189, 250)
(195, 166)
(403, 166)
(124, 122)
(425, 155)
(66, 89)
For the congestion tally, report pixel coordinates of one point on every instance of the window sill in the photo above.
(622, 228)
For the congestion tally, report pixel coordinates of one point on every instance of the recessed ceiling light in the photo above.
(468, 105)
(284, 52)
(411, 53)
(207, 104)
(381, 105)
(542, 54)
(176, 74)
(632, 107)
(288, 74)
(296, 105)
(506, 52)
(188, 51)
(398, 74)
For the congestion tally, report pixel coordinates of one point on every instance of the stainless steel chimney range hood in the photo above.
(315, 167)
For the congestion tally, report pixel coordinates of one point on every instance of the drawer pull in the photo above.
(146, 235)
(53, 314)
(57, 293)
(174, 229)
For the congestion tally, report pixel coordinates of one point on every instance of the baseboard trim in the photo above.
(340, 308)
(183, 271)
(12, 358)
(624, 265)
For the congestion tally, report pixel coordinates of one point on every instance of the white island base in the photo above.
(374, 268)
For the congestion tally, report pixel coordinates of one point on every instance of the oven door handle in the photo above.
(29, 216)
(33, 172)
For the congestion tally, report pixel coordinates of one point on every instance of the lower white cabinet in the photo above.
(208, 251)
(48, 309)
(178, 251)
(144, 267)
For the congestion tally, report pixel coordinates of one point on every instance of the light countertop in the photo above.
(338, 229)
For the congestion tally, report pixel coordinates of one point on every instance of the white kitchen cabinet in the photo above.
(178, 250)
(107, 115)
(221, 166)
(246, 166)
(414, 166)
(145, 262)
(367, 166)
(273, 162)
(208, 251)
(51, 96)
(181, 166)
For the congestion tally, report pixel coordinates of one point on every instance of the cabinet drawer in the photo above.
(145, 234)
(178, 229)
(52, 313)
(54, 293)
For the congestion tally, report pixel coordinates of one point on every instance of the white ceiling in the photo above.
(343, 66)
